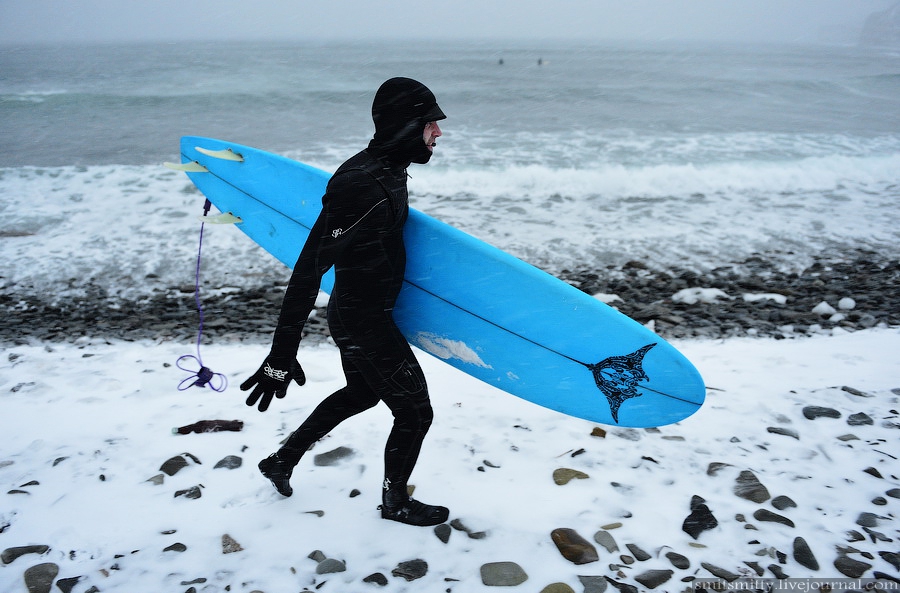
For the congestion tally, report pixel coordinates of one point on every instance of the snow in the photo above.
(91, 422)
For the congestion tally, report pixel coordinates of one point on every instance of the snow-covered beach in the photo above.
(88, 426)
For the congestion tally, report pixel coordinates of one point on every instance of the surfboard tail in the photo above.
(618, 377)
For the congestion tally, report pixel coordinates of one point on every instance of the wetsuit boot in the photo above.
(278, 471)
(398, 506)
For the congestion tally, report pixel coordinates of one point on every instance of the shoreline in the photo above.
(777, 304)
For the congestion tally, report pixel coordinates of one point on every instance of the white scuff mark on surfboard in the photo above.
(445, 349)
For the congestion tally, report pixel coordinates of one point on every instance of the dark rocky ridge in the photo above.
(872, 280)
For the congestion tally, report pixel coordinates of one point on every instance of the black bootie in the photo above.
(399, 506)
(278, 471)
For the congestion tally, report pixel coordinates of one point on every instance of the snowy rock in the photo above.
(783, 502)
(331, 566)
(860, 419)
(573, 547)
(813, 412)
(411, 569)
(868, 520)
(654, 578)
(229, 462)
(678, 561)
(175, 464)
(10, 554)
(502, 574)
(193, 492)
(846, 304)
(824, 309)
(39, 578)
(720, 572)
(229, 545)
(749, 488)
(334, 456)
(692, 296)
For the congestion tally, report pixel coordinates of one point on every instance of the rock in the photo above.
(66, 585)
(701, 519)
(331, 566)
(868, 520)
(229, 545)
(803, 554)
(813, 412)
(192, 492)
(719, 572)
(229, 462)
(502, 574)
(39, 578)
(175, 464)
(598, 432)
(564, 475)
(759, 570)
(678, 561)
(715, 467)
(749, 488)
(776, 570)
(606, 540)
(893, 492)
(573, 547)
(210, 426)
(769, 516)
(442, 532)
(783, 502)
(874, 473)
(622, 587)
(638, 553)
(860, 419)
(850, 567)
(157, 480)
(411, 569)
(784, 432)
(593, 584)
(10, 554)
(334, 456)
(893, 558)
(458, 525)
(376, 578)
(654, 578)
(557, 588)
(176, 547)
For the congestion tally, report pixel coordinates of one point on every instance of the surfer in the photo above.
(360, 233)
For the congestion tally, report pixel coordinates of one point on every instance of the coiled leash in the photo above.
(204, 377)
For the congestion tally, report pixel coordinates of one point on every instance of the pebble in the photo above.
(767, 515)
(749, 488)
(564, 475)
(557, 588)
(593, 584)
(333, 457)
(850, 567)
(606, 540)
(720, 572)
(10, 554)
(788, 432)
(638, 553)
(701, 519)
(229, 545)
(331, 566)
(678, 561)
(573, 547)
(860, 419)
(377, 578)
(229, 462)
(502, 574)
(443, 532)
(783, 502)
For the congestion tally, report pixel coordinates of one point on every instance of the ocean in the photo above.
(571, 156)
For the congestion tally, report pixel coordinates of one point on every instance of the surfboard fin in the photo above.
(191, 167)
(226, 154)
(223, 218)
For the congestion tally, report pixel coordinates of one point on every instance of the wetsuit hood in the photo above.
(400, 110)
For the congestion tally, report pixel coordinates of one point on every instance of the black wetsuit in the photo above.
(360, 233)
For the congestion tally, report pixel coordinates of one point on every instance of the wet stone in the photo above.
(442, 532)
(701, 519)
(502, 574)
(593, 584)
(868, 520)
(777, 571)
(719, 572)
(331, 566)
(176, 547)
(377, 579)
(229, 462)
(784, 432)
(638, 553)
(573, 547)
(893, 558)
(749, 488)
(334, 456)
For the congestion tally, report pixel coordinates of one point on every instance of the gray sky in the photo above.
(140, 20)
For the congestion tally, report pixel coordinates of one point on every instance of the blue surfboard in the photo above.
(470, 304)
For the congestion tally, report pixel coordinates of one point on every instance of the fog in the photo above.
(779, 21)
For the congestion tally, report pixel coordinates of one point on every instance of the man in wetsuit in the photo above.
(360, 233)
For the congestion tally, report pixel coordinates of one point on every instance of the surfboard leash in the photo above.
(204, 377)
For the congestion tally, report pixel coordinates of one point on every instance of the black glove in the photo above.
(272, 379)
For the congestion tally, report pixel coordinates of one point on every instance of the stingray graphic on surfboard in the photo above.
(468, 303)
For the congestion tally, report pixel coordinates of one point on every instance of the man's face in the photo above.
(432, 132)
